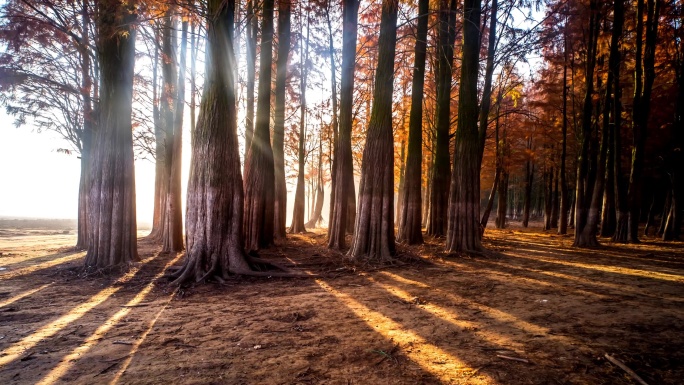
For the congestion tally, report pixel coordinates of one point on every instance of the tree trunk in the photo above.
(280, 206)
(555, 202)
(497, 168)
(251, 38)
(608, 213)
(374, 235)
(548, 198)
(159, 180)
(529, 178)
(564, 194)
(315, 217)
(111, 218)
(193, 75)
(214, 213)
(486, 102)
(643, 85)
(437, 222)
(298, 213)
(259, 181)
(502, 203)
(343, 172)
(409, 229)
(172, 239)
(464, 198)
(583, 189)
(87, 133)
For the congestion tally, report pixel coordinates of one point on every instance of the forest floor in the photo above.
(532, 310)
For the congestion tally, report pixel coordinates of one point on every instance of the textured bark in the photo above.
(437, 222)
(409, 230)
(159, 180)
(280, 206)
(315, 216)
(87, 134)
(593, 217)
(583, 188)
(529, 179)
(214, 212)
(251, 38)
(502, 203)
(374, 235)
(173, 229)
(497, 170)
(259, 181)
(643, 84)
(486, 102)
(555, 202)
(620, 234)
(111, 216)
(343, 171)
(608, 213)
(548, 198)
(564, 194)
(464, 198)
(297, 225)
(193, 77)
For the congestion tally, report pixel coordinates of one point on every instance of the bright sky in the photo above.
(37, 181)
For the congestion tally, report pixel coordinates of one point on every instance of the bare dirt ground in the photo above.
(532, 310)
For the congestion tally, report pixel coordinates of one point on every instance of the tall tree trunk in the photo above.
(259, 170)
(583, 188)
(214, 213)
(297, 225)
(608, 212)
(343, 172)
(111, 218)
(620, 234)
(564, 194)
(498, 167)
(529, 179)
(591, 228)
(502, 203)
(280, 206)
(555, 201)
(374, 235)
(173, 230)
(315, 217)
(548, 198)
(643, 84)
(87, 133)
(409, 230)
(464, 198)
(439, 196)
(193, 76)
(486, 102)
(334, 121)
(159, 180)
(251, 38)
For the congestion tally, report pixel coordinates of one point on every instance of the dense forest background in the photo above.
(383, 121)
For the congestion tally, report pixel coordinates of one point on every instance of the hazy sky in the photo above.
(37, 181)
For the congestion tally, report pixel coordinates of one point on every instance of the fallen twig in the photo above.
(138, 305)
(513, 358)
(122, 343)
(624, 367)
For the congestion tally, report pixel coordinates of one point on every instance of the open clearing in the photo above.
(530, 311)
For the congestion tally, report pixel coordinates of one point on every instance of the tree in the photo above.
(463, 233)
(280, 206)
(47, 78)
(374, 231)
(297, 225)
(259, 169)
(410, 217)
(440, 175)
(252, 27)
(215, 195)
(343, 177)
(644, 78)
(111, 210)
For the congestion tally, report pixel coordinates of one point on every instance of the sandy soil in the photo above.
(530, 311)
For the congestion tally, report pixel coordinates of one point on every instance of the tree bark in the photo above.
(87, 133)
(463, 233)
(259, 184)
(343, 171)
(315, 217)
(280, 206)
(502, 203)
(111, 218)
(172, 237)
(159, 180)
(215, 198)
(529, 178)
(409, 230)
(486, 102)
(643, 84)
(374, 235)
(583, 189)
(564, 194)
(439, 196)
(251, 38)
(297, 225)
